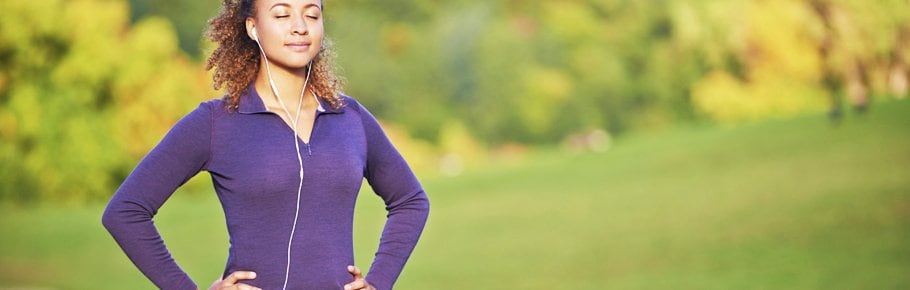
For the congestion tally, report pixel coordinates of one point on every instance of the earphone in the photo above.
(275, 88)
(255, 37)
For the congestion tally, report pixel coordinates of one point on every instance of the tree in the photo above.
(84, 95)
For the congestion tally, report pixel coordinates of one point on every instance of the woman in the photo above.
(287, 153)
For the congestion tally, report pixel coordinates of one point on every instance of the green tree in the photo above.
(84, 95)
(189, 19)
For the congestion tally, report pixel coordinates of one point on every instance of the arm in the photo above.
(406, 202)
(182, 153)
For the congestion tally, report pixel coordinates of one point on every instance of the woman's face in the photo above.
(290, 31)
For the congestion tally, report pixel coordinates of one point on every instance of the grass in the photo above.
(784, 204)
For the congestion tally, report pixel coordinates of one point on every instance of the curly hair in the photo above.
(236, 59)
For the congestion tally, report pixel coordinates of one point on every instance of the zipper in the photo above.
(309, 150)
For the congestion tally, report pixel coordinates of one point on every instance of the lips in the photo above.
(298, 46)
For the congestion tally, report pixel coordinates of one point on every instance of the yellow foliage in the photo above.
(571, 20)
(782, 67)
(545, 89)
(421, 155)
(85, 95)
(147, 109)
(708, 26)
(729, 100)
(21, 21)
(93, 30)
(455, 139)
(779, 42)
(597, 65)
(156, 85)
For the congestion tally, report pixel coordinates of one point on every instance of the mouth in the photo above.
(298, 46)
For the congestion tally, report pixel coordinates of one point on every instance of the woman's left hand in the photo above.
(359, 283)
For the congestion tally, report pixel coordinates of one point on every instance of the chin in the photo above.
(296, 63)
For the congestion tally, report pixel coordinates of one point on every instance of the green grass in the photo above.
(784, 204)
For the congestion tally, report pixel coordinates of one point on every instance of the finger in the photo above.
(237, 276)
(216, 283)
(355, 271)
(242, 286)
(357, 284)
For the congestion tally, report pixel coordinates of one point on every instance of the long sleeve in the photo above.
(406, 202)
(180, 155)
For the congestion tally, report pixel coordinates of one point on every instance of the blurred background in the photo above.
(599, 144)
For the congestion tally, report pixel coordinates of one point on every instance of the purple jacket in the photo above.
(249, 154)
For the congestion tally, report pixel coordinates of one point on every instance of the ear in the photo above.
(251, 29)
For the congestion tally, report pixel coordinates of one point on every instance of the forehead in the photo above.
(269, 4)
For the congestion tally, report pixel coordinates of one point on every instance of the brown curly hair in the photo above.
(236, 59)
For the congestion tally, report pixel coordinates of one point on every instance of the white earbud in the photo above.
(255, 36)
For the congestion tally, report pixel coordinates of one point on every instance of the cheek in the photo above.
(318, 38)
(270, 33)
(318, 29)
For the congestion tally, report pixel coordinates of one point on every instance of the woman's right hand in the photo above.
(230, 283)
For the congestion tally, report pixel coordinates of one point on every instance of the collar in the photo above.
(251, 103)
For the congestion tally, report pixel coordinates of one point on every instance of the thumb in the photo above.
(355, 272)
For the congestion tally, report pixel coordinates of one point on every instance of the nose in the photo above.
(299, 26)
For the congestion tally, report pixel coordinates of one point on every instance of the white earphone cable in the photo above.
(296, 146)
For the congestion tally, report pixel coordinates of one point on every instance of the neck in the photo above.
(289, 84)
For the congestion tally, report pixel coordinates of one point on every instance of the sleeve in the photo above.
(406, 202)
(180, 155)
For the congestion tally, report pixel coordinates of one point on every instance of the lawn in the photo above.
(782, 204)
